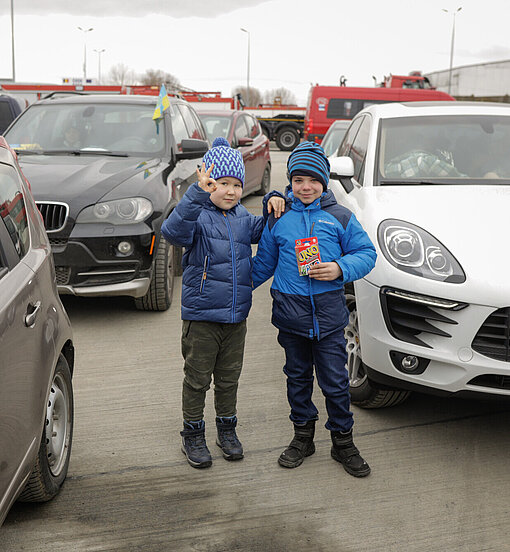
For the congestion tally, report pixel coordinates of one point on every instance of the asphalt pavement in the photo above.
(440, 472)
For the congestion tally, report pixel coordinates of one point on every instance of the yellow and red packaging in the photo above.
(307, 254)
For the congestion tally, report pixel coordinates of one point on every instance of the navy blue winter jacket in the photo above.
(303, 305)
(217, 263)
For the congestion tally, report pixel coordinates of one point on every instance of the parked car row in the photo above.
(105, 175)
(430, 182)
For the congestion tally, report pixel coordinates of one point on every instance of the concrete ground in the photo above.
(440, 472)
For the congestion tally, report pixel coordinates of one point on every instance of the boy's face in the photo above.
(306, 188)
(228, 192)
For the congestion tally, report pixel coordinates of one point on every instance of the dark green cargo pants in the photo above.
(211, 349)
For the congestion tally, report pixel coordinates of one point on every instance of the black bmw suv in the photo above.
(105, 175)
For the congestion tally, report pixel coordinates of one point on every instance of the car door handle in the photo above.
(32, 312)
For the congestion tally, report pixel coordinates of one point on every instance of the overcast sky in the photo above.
(293, 42)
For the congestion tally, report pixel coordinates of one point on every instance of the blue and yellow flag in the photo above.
(163, 103)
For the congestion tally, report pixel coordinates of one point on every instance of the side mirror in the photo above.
(245, 142)
(192, 149)
(342, 169)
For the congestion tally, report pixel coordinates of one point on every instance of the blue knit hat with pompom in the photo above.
(227, 160)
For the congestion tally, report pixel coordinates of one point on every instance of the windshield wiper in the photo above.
(85, 152)
(27, 152)
(408, 182)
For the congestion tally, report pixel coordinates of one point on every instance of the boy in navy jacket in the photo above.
(217, 233)
(313, 250)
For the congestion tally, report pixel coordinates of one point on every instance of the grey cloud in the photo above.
(132, 8)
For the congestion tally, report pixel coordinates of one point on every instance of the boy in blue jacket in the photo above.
(217, 233)
(313, 250)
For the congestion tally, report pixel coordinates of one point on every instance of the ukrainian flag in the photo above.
(163, 103)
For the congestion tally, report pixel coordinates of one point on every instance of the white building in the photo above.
(479, 80)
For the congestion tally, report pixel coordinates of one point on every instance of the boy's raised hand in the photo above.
(276, 205)
(205, 181)
(325, 271)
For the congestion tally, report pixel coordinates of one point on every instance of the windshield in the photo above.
(332, 140)
(453, 149)
(216, 125)
(87, 127)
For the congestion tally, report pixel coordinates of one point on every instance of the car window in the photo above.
(12, 209)
(127, 128)
(240, 130)
(6, 115)
(332, 140)
(359, 149)
(253, 126)
(343, 109)
(179, 129)
(350, 135)
(216, 125)
(194, 130)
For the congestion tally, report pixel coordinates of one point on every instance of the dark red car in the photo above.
(244, 133)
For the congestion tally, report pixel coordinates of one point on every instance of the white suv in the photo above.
(430, 183)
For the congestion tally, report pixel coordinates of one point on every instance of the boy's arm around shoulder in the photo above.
(359, 252)
(258, 222)
(179, 227)
(266, 259)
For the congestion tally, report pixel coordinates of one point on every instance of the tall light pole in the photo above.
(99, 52)
(12, 42)
(455, 12)
(85, 31)
(248, 68)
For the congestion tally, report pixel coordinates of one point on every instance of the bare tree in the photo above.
(280, 95)
(157, 77)
(253, 99)
(121, 74)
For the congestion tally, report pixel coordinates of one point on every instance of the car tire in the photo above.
(50, 469)
(265, 185)
(160, 292)
(364, 393)
(287, 139)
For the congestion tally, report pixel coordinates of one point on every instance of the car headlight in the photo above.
(120, 211)
(413, 250)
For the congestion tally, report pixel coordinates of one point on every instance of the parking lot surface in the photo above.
(440, 472)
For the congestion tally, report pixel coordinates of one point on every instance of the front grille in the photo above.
(56, 243)
(409, 315)
(491, 380)
(62, 274)
(493, 338)
(54, 214)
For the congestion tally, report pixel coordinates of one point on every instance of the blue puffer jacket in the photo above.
(217, 263)
(303, 305)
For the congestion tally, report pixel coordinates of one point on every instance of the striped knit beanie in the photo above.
(227, 160)
(309, 159)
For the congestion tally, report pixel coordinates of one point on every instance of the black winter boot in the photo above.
(300, 447)
(194, 445)
(345, 452)
(227, 438)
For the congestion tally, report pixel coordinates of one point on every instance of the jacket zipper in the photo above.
(234, 273)
(204, 273)
(315, 322)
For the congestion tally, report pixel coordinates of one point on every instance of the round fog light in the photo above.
(409, 363)
(125, 248)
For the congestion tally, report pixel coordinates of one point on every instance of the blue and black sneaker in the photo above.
(227, 438)
(194, 445)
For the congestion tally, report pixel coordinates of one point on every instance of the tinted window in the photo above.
(216, 125)
(5, 115)
(178, 128)
(343, 109)
(194, 129)
(359, 149)
(12, 209)
(345, 148)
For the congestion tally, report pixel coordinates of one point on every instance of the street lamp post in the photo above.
(99, 52)
(455, 12)
(85, 31)
(12, 42)
(248, 67)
